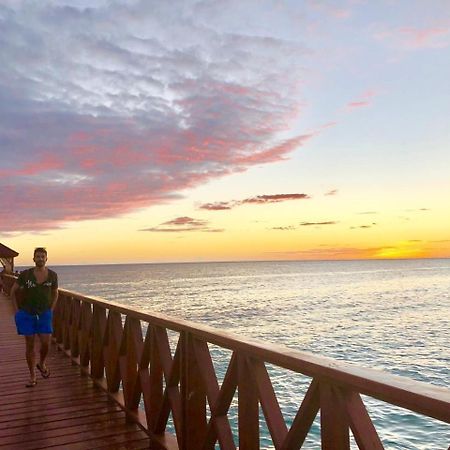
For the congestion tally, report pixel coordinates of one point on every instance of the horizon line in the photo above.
(239, 261)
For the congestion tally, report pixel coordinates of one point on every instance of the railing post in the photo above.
(84, 332)
(193, 396)
(98, 332)
(248, 407)
(333, 420)
(67, 321)
(58, 319)
(153, 406)
(113, 337)
(74, 343)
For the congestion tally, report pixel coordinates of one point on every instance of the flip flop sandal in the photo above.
(44, 372)
(31, 384)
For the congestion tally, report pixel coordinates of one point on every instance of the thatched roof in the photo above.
(6, 252)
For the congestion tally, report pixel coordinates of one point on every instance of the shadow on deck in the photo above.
(65, 411)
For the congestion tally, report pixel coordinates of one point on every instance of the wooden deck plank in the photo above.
(64, 411)
(64, 423)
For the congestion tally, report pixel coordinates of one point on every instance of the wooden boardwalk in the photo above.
(66, 411)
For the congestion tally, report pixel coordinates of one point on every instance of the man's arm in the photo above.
(14, 288)
(54, 298)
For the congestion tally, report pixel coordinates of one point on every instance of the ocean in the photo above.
(390, 314)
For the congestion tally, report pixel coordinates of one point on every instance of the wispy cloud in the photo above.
(218, 206)
(364, 100)
(363, 226)
(415, 38)
(335, 11)
(332, 253)
(276, 198)
(303, 224)
(258, 200)
(183, 224)
(332, 192)
(137, 111)
(308, 224)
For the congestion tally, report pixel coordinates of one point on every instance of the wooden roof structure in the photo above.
(7, 256)
(6, 252)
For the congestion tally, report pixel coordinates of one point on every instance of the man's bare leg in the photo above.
(45, 345)
(31, 359)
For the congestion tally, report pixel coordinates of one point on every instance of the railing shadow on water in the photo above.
(190, 386)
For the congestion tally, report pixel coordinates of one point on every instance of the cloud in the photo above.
(182, 221)
(328, 8)
(364, 100)
(364, 226)
(307, 224)
(183, 224)
(332, 192)
(258, 200)
(277, 198)
(415, 38)
(304, 224)
(418, 209)
(358, 104)
(136, 111)
(332, 253)
(219, 206)
(401, 250)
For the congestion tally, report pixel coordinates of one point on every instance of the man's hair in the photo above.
(40, 250)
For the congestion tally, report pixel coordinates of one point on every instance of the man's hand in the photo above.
(54, 299)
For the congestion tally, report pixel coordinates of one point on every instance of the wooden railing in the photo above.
(128, 353)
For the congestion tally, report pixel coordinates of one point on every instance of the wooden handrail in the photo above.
(107, 340)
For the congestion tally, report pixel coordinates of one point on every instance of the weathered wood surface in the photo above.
(64, 411)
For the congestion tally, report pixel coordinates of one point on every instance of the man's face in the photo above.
(40, 258)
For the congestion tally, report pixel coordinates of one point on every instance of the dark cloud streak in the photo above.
(183, 224)
(258, 200)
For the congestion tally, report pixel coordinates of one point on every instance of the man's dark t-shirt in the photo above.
(36, 298)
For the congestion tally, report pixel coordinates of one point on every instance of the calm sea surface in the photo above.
(390, 315)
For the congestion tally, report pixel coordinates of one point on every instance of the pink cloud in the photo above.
(183, 224)
(42, 164)
(276, 198)
(121, 123)
(182, 221)
(276, 152)
(358, 104)
(365, 99)
(259, 200)
(332, 192)
(417, 38)
(219, 206)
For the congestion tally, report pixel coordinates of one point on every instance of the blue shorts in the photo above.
(28, 324)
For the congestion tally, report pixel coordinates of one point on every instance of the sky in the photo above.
(204, 130)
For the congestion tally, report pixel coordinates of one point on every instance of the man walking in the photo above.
(38, 289)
